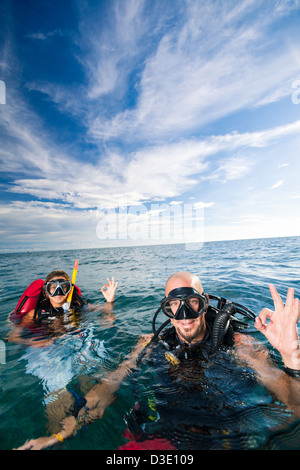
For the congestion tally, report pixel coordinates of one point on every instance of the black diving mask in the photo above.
(58, 287)
(183, 303)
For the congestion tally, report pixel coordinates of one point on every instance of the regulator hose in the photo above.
(221, 325)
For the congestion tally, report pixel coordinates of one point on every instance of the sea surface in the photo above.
(33, 373)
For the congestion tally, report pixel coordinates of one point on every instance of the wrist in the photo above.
(291, 362)
(55, 439)
(59, 437)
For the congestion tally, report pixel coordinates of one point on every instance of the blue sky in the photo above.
(148, 103)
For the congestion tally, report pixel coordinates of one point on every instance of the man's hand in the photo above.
(281, 330)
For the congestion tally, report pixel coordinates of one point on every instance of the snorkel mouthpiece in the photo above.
(184, 303)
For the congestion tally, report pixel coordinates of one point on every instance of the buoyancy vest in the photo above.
(176, 350)
(33, 298)
(44, 309)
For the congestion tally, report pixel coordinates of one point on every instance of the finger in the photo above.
(259, 324)
(264, 315)
(296, 310)
(276, 297)
(290, 299)
(26, 446)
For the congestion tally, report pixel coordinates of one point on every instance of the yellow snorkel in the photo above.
(69, 299)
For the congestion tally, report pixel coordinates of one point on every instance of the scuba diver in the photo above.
(200, 331)
(51, 318)
(50, 299)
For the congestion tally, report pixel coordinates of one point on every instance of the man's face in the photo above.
(192, 329)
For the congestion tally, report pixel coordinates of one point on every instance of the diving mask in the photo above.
(183, 303)
(58, 287)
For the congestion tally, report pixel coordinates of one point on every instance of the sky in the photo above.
(121, 120)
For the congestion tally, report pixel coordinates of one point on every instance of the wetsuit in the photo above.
(199, 400)
(45, 310)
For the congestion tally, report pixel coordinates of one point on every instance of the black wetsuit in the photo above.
(45, 310)
(199, 400)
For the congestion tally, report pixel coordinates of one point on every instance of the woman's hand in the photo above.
(108, 290)
(39, 444)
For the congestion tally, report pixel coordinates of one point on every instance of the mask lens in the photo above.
(51, 287)
(66, 287)
(194, 303)
(171, 306)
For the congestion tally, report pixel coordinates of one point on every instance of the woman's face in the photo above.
(57, 300)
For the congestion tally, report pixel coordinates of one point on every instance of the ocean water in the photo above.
(32, 373)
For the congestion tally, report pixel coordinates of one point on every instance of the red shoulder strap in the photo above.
(28, 299)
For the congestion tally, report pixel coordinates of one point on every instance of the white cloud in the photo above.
(231, 169)
(155, 173)
(109, 46)
(275, 95)
(46, 225)
(282, 165)
(201, 72)
(43, 36)
(155, 72)
(203, 205)
(266, 227)
(175, 203)
(278, 184)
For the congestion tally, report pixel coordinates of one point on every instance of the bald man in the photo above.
(281, 331)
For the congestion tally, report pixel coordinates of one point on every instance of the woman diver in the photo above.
(61, 338)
